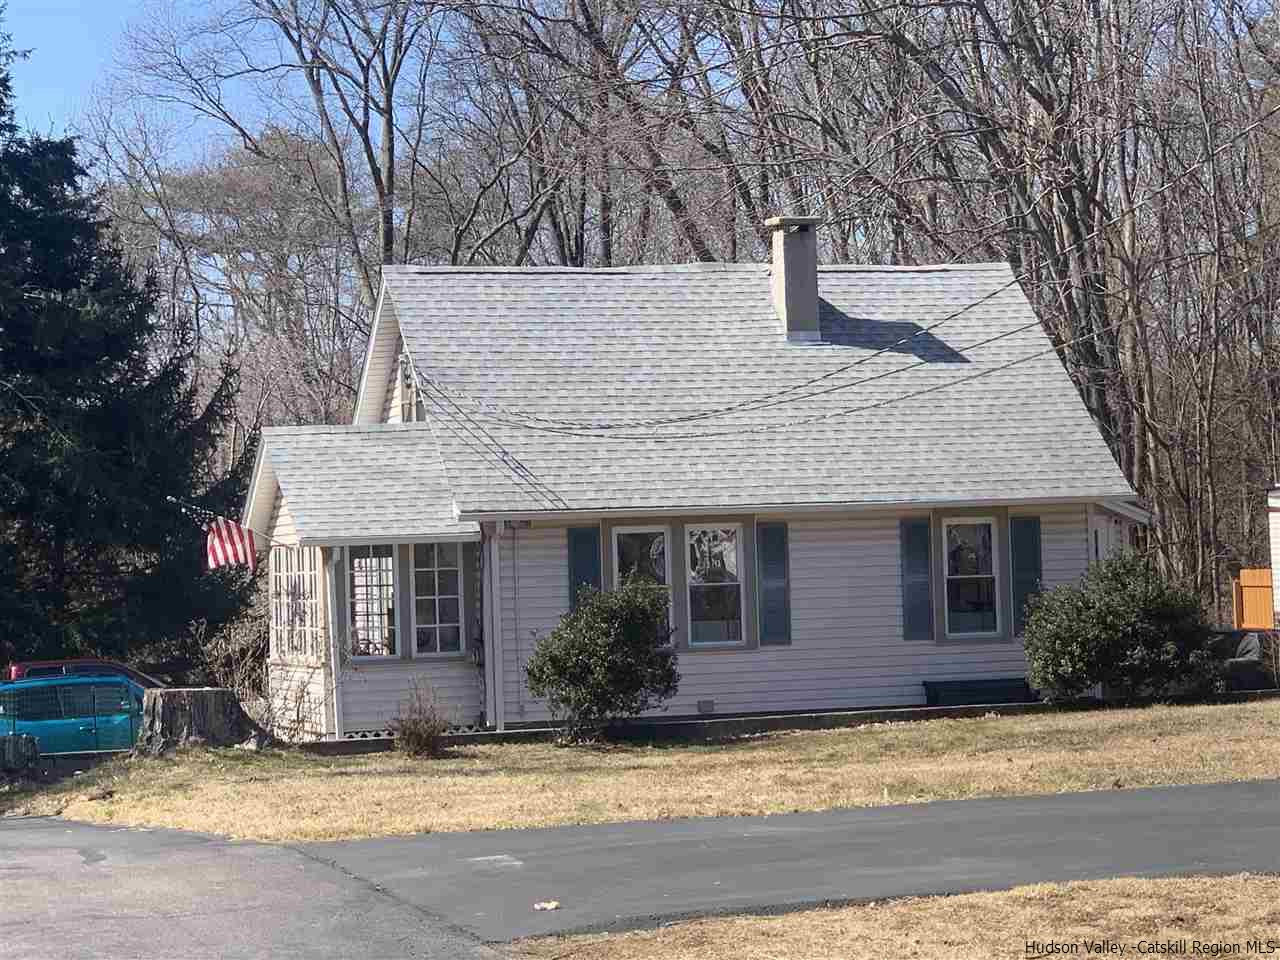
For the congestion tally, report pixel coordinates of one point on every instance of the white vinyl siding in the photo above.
(379, 361)
(846, 621)
(373, 692)
(1064, 546)
(391, 411)
(282, 528)
(300, 702)
(535, 567)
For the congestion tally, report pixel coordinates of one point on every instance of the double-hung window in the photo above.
(969, 573)
(715, 584)
(641, 552)
(437, 599)
(371, 600)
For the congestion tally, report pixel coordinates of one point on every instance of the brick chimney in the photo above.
(795, 275)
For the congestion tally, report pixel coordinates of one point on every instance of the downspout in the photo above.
(499, 686)
(490, 705)
(334, 665)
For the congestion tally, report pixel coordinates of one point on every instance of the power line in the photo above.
(494, 448)
(828, 415)
(765, 400)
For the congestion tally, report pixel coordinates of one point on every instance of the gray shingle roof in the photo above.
(363, 483)
(636, 344)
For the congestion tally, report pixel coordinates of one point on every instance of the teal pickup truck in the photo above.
(73, 714)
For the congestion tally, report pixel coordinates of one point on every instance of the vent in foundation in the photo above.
(706, 706)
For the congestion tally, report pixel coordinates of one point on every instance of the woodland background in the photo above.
(262, 158)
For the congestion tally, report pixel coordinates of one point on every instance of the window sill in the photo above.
(377, 658)
(440, 657)
(715, 647)
(976, 638)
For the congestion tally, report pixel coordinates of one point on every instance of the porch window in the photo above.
(437, 598)
(297, 613)
(715, 584)
(371, 573)
(969, 571)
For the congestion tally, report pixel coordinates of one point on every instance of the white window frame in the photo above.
(395, 599)
(654, 528)
(293, 637)
(948, 522)
(689, 585)
(413, 604)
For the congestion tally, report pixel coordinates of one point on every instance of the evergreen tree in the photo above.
(97, 429)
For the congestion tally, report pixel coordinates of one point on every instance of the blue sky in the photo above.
(72, 43)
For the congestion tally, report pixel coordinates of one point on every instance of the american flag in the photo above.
(230, 543)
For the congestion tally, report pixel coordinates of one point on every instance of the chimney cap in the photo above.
(782, 223)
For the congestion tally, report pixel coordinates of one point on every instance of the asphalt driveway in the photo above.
(71, 890)
(74, 890)
(635, 874)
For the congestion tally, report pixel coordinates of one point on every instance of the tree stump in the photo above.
(174, 717)
(18, 752)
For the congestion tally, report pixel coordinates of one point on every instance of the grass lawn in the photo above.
(288, 795)
(1213, 910)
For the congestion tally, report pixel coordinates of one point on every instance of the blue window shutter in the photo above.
(1025, 559)
(584, 561)
(774, 584)
(917, 589)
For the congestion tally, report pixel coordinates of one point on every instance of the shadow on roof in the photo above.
(893, 336)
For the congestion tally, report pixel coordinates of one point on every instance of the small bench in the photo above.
(960, 693)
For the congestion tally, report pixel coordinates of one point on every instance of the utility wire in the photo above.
(764, 400)
(493, 448)
(819, 418)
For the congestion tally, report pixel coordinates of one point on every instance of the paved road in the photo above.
(72, 890)
(631, 874)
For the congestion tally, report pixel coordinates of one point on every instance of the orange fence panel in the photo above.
(1254, 603)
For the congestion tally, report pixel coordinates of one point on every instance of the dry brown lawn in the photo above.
(284, 795)
(1211, 910)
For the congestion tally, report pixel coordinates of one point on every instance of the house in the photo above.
(849, 478)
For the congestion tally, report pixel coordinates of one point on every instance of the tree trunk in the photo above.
(173, 717)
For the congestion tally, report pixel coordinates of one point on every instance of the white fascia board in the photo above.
(774, 508)
(1128, 510)
(368, 351)
(261, 469)
(410, 537)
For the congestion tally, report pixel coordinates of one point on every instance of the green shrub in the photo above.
(421, 725)
(1123, 626)
(608, 659)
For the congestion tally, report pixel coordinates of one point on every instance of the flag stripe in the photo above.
(230, 543)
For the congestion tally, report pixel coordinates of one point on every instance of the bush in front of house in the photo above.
(608, 659)
(1124, 626)
(420, 726)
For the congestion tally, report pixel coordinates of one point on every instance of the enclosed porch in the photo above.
(373, 587)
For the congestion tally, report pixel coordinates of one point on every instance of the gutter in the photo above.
(791, 508)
